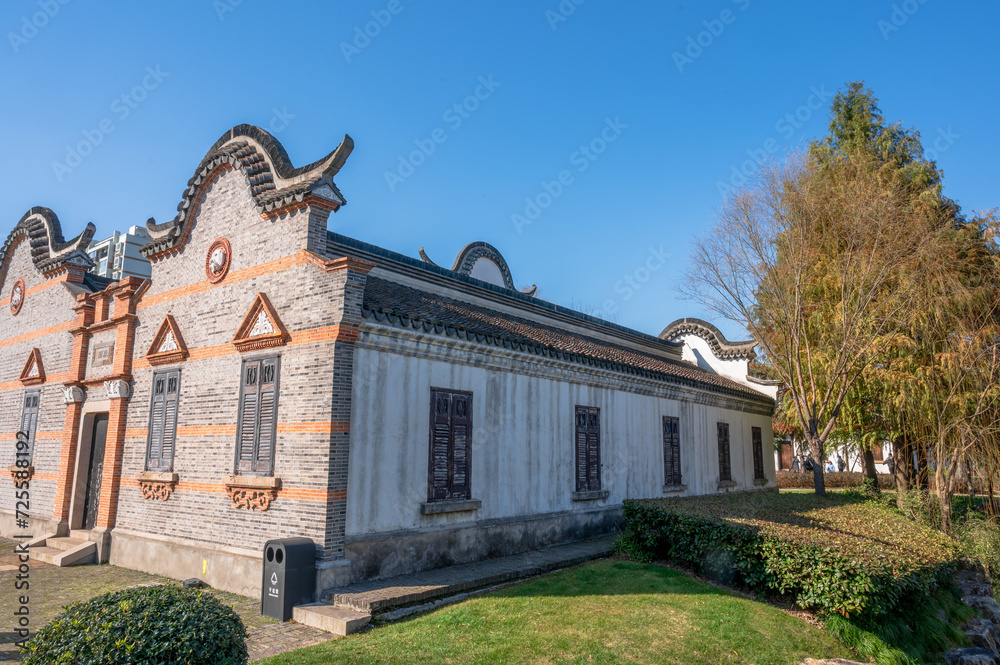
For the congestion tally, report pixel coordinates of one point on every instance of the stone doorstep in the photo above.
(64, 544)
(337, 620)
(383, 595)
(81, 554)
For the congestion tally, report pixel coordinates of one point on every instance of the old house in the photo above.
(273, 378)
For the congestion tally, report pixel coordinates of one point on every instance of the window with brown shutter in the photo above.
(29, 421)
(258, 416)
(725, 467)
(450, 446)
(671, 451)
(758, 454)
(588, 449)
(163, 420)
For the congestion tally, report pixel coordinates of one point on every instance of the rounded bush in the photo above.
(158, 624)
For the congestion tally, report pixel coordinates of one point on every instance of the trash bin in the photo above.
(289, 576)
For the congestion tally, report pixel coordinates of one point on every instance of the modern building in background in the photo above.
(118, 257)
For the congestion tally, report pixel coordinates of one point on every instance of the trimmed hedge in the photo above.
(838, 553)
(144, 625)
(832, 479)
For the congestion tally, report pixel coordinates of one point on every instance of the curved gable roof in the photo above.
(274, 183)
(721, 347)
(49, 249)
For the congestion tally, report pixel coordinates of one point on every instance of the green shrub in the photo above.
(159, 624)
(838, 554)
(913, 634)
(980, 538)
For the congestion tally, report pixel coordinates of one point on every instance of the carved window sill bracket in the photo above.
(726, 484)
(157, 484)
(667, 489)
(252, 492)
(19, 473)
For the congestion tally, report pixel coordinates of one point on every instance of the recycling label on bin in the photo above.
(272, 590)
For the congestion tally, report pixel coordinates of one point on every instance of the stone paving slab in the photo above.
(383, 595)
(52, 588)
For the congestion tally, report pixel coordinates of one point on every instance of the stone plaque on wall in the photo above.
(104, 354)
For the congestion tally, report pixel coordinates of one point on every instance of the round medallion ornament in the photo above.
(17, 297)
(217, 261)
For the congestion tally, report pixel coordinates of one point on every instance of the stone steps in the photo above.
(337, 620)
(82, 554)
(64, 544)
(378, 596)
(63, 551)
(349, 609)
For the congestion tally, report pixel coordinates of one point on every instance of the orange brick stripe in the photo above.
(37, 288)
(236, 276)
(62, 377)
(316, 427)
(230, 430)
(300, 494)
(43, 476)
(59, 327)
(328, 333)
(39, 436)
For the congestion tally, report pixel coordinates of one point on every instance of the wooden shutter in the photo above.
(170, 420)
(247, 424)
(29, 419)
(268, 408)
(671, 451)
(163, 421)
(758, 453)
(725, 468)
(449, 467)
(588, 449)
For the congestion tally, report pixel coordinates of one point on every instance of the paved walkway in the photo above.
(52, 588)
(383, 595)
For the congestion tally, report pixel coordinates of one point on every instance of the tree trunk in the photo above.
(816, 450)
(903, 459)
(923, 480)
(944, 488)
(871, 474)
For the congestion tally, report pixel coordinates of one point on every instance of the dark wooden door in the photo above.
(787, 456)
(94, 471)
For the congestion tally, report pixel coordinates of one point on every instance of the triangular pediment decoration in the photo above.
(168, 345)
(261, 328)
(33, 372)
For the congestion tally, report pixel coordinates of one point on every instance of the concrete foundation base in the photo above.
(36, 526)
(405, 552)
(225, 568)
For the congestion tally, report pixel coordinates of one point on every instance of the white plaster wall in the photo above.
(523, 435)
(487, 271)
(698, 351)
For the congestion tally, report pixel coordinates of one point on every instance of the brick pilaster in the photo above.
(113, 454)
(67, 460)
(349, 279)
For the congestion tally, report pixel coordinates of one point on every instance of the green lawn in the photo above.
(608, 611)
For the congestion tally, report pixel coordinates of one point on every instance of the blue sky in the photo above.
(645, 111)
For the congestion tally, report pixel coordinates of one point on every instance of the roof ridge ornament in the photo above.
(469, 263)
(275, 184)
(721, 346)
(50, 251)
